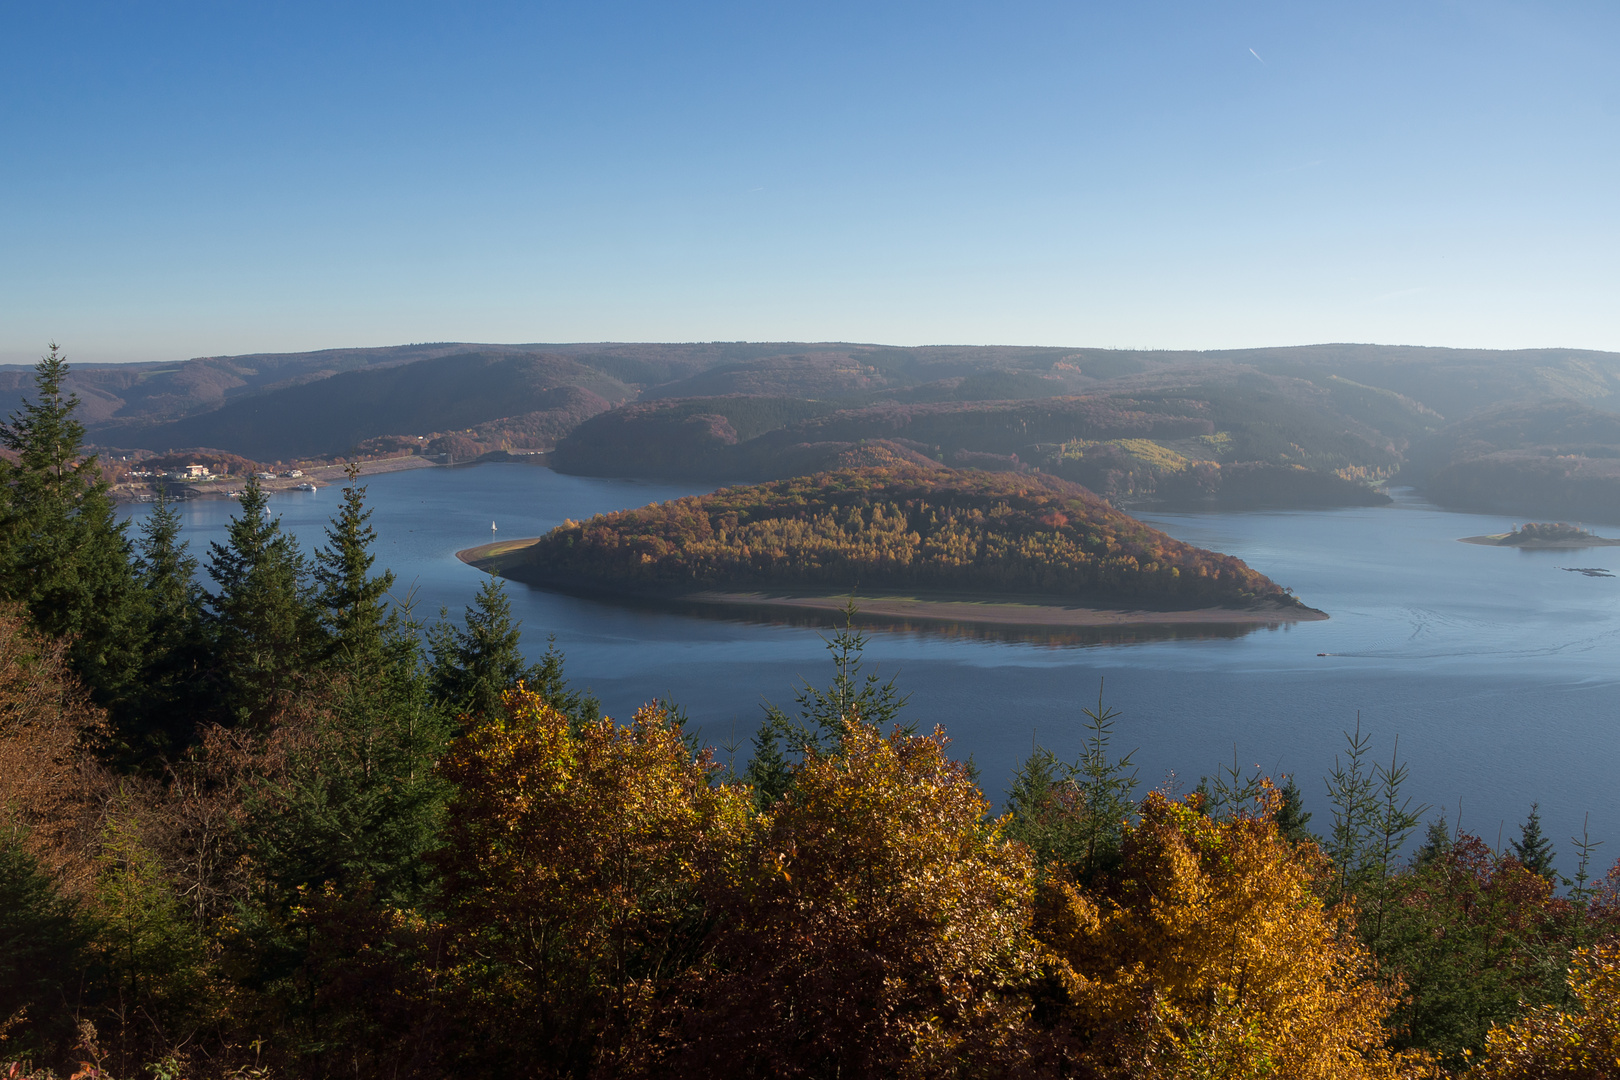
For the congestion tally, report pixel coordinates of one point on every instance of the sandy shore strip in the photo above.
(498, 557)
(506, 555)
(1499, 540)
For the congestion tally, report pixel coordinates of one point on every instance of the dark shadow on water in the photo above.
(1054, 636)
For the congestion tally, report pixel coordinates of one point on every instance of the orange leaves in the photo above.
(1548, 1044)
(1210, 954)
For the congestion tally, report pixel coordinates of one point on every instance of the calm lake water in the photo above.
(1496, 668)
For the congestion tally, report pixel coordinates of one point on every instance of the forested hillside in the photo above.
(256, 822)
(1559, 458)
(333, 414)
(967, 533)
(1308, 426)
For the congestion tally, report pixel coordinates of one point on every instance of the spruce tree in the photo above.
(1047, 813)
(1291, 817)
(63, 553)
(1533, 850)
(1436, 842)
(474, 664)
(822, 713)
(161, 719)
(769, 772)
(264, 618)
(353, 601)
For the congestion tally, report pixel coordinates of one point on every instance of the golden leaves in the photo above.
(1208, 953)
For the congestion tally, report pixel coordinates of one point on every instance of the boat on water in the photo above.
(305, 486)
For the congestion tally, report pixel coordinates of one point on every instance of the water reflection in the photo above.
(766, 613)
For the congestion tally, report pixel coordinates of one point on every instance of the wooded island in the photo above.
(937, 535)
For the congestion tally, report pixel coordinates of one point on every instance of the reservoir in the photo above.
(1497, 668)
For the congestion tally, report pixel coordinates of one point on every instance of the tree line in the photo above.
(258, 821)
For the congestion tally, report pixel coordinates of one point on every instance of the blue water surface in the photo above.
(1496, 668)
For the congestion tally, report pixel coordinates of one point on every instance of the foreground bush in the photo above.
(1552, 1044)
(1208, 953)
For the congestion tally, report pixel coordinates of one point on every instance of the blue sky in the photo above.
(183, 180)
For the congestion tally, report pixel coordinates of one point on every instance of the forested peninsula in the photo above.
(939, 533)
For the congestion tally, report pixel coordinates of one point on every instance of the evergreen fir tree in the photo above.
(63, 553)
(822, 713)
(1046, 811)
(1291, 816)
(360, 803)
(474, 664)
(1533, 850)
(769, 772)
(160, 720)
(1436, 842)
(353, 601)
(264, 619)
(580, 706)
(42, 938)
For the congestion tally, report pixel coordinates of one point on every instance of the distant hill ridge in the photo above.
(1309, 425)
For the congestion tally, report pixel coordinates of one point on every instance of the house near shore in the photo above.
(192, 472)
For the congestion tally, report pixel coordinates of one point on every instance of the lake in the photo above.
(1496, 668)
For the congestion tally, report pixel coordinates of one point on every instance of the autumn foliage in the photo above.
(1580, 1043)
(278, 830)
(879, 926)
(897, 528)
(571, 878)
(1209, 952)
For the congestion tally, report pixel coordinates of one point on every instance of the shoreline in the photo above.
(501, 557)
(1498, 540)
(319, 475)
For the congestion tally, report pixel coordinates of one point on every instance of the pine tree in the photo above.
(265, 620)
(1291, 817)
(769, 772)
(353, 601)
(160, 719)
(63, 553)
(822, 713)
(1436, 842)
(1533, 850)
(473, 665)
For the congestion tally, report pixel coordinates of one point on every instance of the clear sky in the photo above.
(183, 180)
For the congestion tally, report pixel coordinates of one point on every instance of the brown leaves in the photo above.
(52, 789)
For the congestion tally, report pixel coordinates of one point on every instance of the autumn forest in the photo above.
(258, 821)
(898, 527)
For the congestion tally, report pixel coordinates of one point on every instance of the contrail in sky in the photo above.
(1255, 55)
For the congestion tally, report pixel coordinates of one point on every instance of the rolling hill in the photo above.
(332, 415)
(1308, 426)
